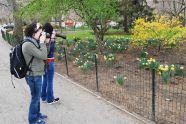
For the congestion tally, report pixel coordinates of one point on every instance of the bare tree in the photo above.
(4, 11)
(18, 31)
(176, 8)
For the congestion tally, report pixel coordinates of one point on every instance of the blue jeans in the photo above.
(47, 87)
(34, 83)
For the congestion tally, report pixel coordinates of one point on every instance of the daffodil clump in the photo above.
(145, 63)
(90, 56)
(169, 31)
(153, 64)
(168, 71)
(109, 58)
(78, 61)
(148, 63)
(120, 79)
(179, 70)
(87, 66)
(143, 60)
(84, 65)
(117, 45)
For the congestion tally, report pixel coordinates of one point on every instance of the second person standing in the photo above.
(47, 94)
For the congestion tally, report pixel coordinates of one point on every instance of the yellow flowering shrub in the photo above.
(169, 32)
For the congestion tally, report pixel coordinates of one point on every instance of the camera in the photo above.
(47, 34)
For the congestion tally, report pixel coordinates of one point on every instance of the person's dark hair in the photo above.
(48, 28)
(31, 29)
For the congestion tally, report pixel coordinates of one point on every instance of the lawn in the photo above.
(84, 34)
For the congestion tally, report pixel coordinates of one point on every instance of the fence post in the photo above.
(66, 61)
(96, 66)
(153, 94)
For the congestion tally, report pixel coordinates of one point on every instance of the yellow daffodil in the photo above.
(110, 59)
(172, 68)
(105, 58)
(166, 69)
(166, 66)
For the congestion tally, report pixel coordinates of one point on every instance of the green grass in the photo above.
(84, 34)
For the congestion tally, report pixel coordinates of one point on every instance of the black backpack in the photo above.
(18, 66)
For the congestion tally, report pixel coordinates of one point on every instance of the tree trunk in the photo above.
(184, 14)
(99, 40)
(125, 23)
(124, 9)
(55, 20)
(18, 31)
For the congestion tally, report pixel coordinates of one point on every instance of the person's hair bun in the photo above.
(48, 28)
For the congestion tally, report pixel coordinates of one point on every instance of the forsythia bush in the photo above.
(168, 32)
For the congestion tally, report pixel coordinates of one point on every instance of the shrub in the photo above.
(167, 32)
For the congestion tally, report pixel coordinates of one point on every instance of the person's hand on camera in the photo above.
(42, 37)
(53, 36)
(47, 40)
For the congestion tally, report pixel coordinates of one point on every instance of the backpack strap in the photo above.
(30, 63)
(28, 40)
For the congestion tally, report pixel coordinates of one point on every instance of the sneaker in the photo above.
(39, 122)
(54, 101)
(42, 116)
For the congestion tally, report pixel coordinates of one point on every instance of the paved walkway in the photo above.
(77, 106)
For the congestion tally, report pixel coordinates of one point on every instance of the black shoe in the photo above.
(54, 101)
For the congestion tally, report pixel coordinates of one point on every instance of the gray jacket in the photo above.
(40, 54)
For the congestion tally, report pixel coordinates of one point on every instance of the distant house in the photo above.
(71, 19)
(69, 23)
